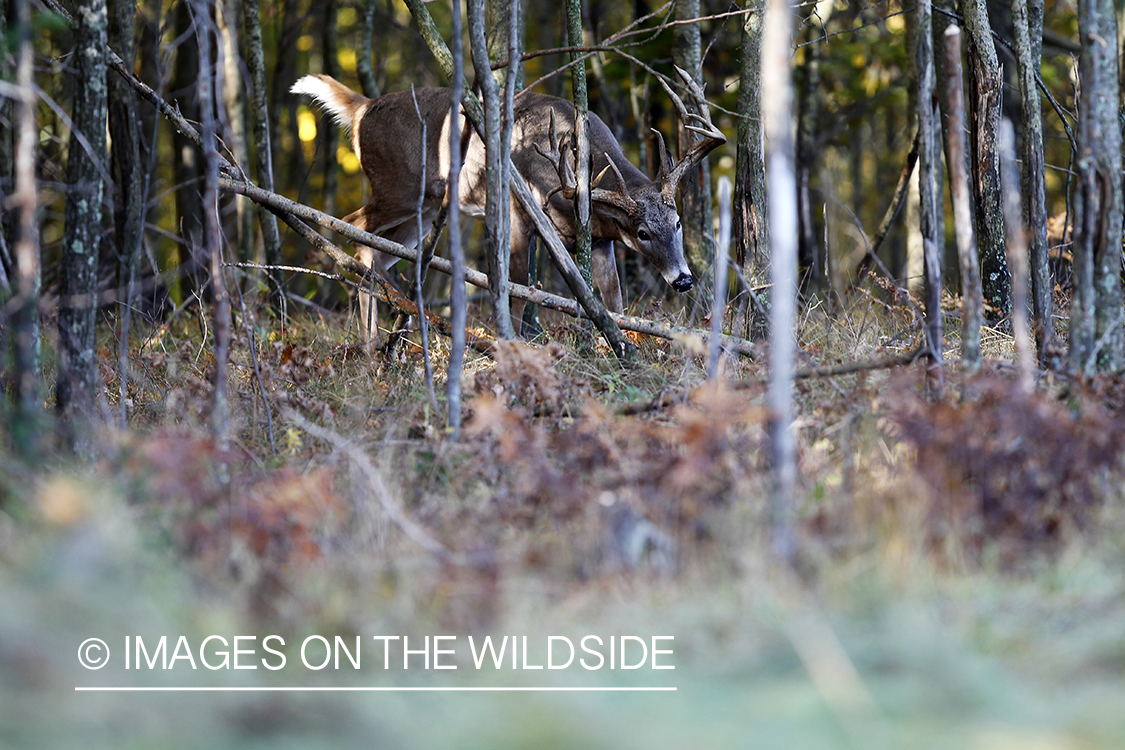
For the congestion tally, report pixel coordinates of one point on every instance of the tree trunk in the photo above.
(185, 156)
(78, 379)
(777, 81)
(220, 308)
(263, 150)
(128, 177)
(24, 427)
(583, 237)
(7, 154)
(363, 65)
(985, 85)
(971, 301)
(810, 260)
(1027, 19)
(497, 239)
(1096, 342)
(456, 253)
(695, 187)
(751, 228)
(329, 132)
(928, 134)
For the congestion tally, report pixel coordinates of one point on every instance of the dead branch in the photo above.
(378, 486)
(566, 306)
(668, 398)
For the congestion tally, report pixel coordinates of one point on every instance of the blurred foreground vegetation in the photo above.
(918, 616)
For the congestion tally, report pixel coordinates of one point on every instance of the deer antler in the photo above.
(712, 136)
(568, 183)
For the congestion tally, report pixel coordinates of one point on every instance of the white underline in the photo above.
(371, 689)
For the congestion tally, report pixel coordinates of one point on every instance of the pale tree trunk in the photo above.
(7, 146)
(78, 380)
(777, 110)
(1017, 256)
(928, 134)
(458, 302)
(695, 187)
(971, 300)
(751, 227)
(497, 239)
(1096, 341)
(985, 86)
(912, 270)
(1027, 21)
(25, 427)
(236, 106)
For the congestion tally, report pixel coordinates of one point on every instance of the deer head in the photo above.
(645, 214)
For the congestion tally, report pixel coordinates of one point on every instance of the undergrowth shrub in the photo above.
(1006, 466)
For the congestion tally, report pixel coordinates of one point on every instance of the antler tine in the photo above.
(557, 157)
(662, 156)
(621, 188)
(620, 197)
(712, 136)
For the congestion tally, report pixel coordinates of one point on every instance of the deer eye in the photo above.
(678, 225)
(643, 236)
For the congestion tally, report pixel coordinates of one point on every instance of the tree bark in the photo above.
(220, 307)
(363, 65)
(777, 81)
(1027, 19)
(928, 133)
(810, 261)
(1096, 341)
(78, 381)
(128, 177)
(185, 157)
(971, 302)
(751, 228)
(985, 85)
(695, 187)
(260, 124)
(329, 132)
(583, 237)
(456, 253)
(27, 414)
(497, 239)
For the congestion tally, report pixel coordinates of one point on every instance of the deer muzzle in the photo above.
(683, 282)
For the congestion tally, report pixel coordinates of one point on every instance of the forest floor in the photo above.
(960, 578)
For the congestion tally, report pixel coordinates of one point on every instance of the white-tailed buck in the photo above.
(638, 211)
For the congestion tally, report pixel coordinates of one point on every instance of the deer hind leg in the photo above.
(603, 267)
(522, 237)
(367, 220)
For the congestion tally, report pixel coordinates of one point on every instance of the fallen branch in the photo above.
(284, 206)
(391, 507)
(668, 398)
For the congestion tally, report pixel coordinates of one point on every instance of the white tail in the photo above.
(342, 103)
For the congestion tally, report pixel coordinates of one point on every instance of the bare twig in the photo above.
(378, 486)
